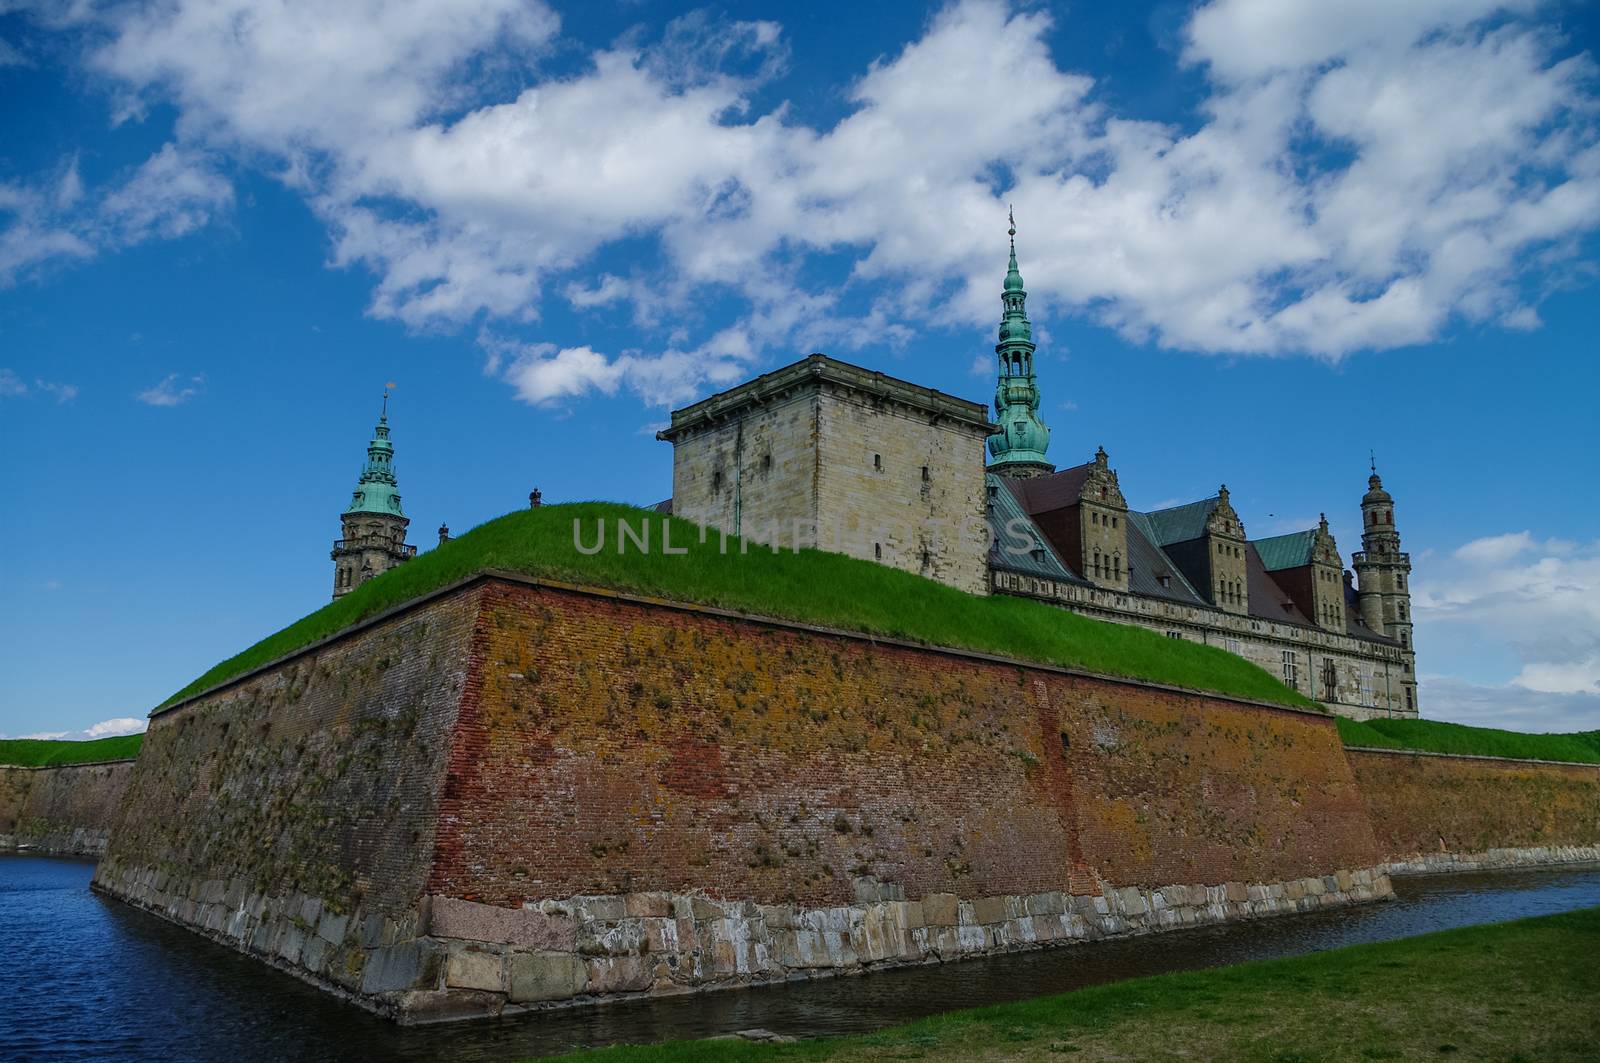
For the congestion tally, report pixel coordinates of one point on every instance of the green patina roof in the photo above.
(1286, 551)
(1023, 437)
(377, 491)
(1180, 523)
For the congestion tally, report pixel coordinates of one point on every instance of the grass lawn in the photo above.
(809, 586)
(1513, 992)
(1437, 737)
(37, 752)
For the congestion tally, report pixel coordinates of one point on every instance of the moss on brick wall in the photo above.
(1432, 804)
(610, 747)
(318, 777)
(63, 809)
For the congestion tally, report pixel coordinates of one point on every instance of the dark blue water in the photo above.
(89, 978)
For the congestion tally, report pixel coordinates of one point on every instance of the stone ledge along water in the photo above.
(519, 796)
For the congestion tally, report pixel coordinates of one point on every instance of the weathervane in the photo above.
(1012, 232)
(390, 386)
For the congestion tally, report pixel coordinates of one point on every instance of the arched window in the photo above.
(1097, 564)
(1117, 565)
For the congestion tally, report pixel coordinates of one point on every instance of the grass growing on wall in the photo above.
(40, 752)
(809, 586)
(1434, 736)
(1515, 992)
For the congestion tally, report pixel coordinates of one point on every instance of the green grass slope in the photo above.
(808, 586)
(1434, 736)
(40, 752)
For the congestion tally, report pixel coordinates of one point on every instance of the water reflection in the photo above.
(100, 980)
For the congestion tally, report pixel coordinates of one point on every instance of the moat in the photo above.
(99, 980)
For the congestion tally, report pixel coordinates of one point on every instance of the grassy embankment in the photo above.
(1437, 737)
(1520, 991)
(40, 752)
(808, 586)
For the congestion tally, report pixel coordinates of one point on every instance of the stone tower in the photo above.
(1018, 448)
(1383, 578)
(374, 527)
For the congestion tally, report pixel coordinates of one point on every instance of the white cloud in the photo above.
(13, 386)
(1361, 175)
(1538, 601)
(62, 393)
(122, 725)
(1510, 707)
(173, 390)
(545, 376)
(172, 193)
(10, 56)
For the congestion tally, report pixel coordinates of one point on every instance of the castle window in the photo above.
(1165, 580)
(877, 551)
(925, 476)
(1097, 564)
(1094, 518)
(1231, 645)
(877, 462)
(1113, 522)
(1117, 565)
(1291, 670)
(1175, 635)
(1402, 608)
(1330, 681)
(1405, 640)
(1410, 705)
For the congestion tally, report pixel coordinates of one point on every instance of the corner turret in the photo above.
(1018, 449)
(374, 525)
(1383, 574)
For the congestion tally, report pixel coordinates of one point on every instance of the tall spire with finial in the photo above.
(1018, 448)
(378, 491)
(373, 526)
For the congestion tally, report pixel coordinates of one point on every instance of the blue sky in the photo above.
(1259, 240)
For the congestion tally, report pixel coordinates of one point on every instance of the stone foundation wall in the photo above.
(64, 809)
(1439, 812)
(580, 949)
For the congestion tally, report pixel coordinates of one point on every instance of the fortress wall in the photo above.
(291, 814)
(1436, 812)
(65, 809)
(645, 798)
(515, 795)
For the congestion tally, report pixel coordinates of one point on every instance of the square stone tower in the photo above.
(826, 454)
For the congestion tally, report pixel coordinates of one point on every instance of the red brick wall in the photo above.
(605, 746)
(1422, 804)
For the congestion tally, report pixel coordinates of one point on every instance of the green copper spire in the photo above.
(378, 491)
(1018, 448)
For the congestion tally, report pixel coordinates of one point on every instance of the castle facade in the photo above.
(825, 454)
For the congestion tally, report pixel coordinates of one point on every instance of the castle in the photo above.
(825, 454)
